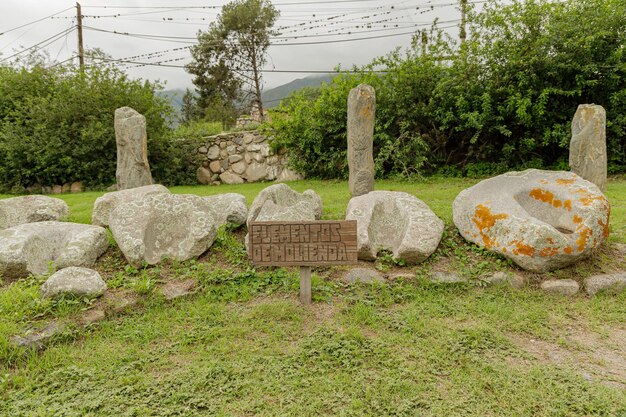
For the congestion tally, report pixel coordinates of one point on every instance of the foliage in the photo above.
(56, 126)
(230, 55)
(197, 130)
(502, 100)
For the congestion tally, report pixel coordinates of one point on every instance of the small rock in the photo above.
(76, 187)
(234, 158)
(447, 277)
(503, 278)
(560, 286)
(202, 149)
(38, 338)
(215, 166)
(230, 178)
(203, 175)
(401, 276)
(239, 167)
(57, 189)
(363, 275)
(67, 188)
(608, 282)
(213, 152)
(176, 289)
(287, 175)
(74, 280)
(92, 316)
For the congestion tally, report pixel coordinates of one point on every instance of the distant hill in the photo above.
(271, 98)
(175, 97)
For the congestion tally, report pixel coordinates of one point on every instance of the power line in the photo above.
(35, 21)
(54, 38)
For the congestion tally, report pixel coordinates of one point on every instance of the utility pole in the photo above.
(79, 27)
(463, 33)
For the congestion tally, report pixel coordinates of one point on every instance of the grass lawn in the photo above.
(242, 344)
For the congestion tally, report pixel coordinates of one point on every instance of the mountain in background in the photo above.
(271, 98)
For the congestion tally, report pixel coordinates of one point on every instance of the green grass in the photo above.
(242, 345)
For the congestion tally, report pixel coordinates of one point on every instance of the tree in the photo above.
(228, 59)
(189, 109)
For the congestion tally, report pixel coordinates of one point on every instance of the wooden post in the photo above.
(79, 29)
(305, 284)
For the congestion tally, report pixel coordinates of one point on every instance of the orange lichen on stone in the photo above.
(548, 252)
(542, 195)
(567, 204)
(550, 241)
(523, 249)
(583, 237)
(565, 181)
(485, 220)
(504, 249)
(557, 203)
(577, 219)
(568, 250)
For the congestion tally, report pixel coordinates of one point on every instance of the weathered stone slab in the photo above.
(30, 209)
(363, 275)
(606, 282)
(566, 287)
(228, 208)
(174, 226)
(31, 248)
(133, 169)
(541, 220)
(76, 281)
(587, 151)
(361, 111)
(394, 221)
(279, 202)
(104, 205)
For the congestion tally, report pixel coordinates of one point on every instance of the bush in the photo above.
(503, 100)
(57, 126)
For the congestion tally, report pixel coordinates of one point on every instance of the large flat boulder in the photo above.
(397, 222)
(105, 205)
(279, 202)
(30, 209)
(174, 226)
(31, 248)
(229, 208)
(541, 220)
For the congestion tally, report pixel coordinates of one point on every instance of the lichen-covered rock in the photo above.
(587, 149)
(279, 202)
(105, 205)
(74, 280)
(30, 209)
(541, 220)
(560, 286)
(175, 226)
(30, 248)
(228, 208)
(606, 282)
(133, 169)
(397, 222)
(361, 118)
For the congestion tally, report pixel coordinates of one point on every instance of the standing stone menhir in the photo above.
(133, 169)
(361, 110)
(587, 151)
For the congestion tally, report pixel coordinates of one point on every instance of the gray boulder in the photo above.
(30, 209)
(560, 286)
(363, 275)
(606, 282)
(105, 205)
(361, 118)
(397, 222)
(228, 208)
(541, 220)
(30, 248)
(279, 202)
(505, 279)
(74, 280)
(175, 226)
(587, 149)
(133, 169)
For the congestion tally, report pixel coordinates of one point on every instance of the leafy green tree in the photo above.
(228, 59)
(189, 110)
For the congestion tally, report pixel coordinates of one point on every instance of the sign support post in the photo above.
(303, 244)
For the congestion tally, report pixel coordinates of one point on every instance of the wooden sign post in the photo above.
(304, 244)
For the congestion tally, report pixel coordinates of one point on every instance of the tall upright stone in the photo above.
(133, 169)
(587, 150)
(361, 109)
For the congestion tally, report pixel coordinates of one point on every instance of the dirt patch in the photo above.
(597, 356)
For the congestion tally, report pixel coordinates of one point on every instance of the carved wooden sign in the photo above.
(306, 243)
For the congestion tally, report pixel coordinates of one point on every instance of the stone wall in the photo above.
(234, 158)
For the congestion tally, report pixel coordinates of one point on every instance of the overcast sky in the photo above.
(175, 24)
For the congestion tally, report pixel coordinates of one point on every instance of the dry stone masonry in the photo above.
(133, 169)
(235, 158)
(541, 220)
(361, 110)
(394, 221)
(31, 208)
